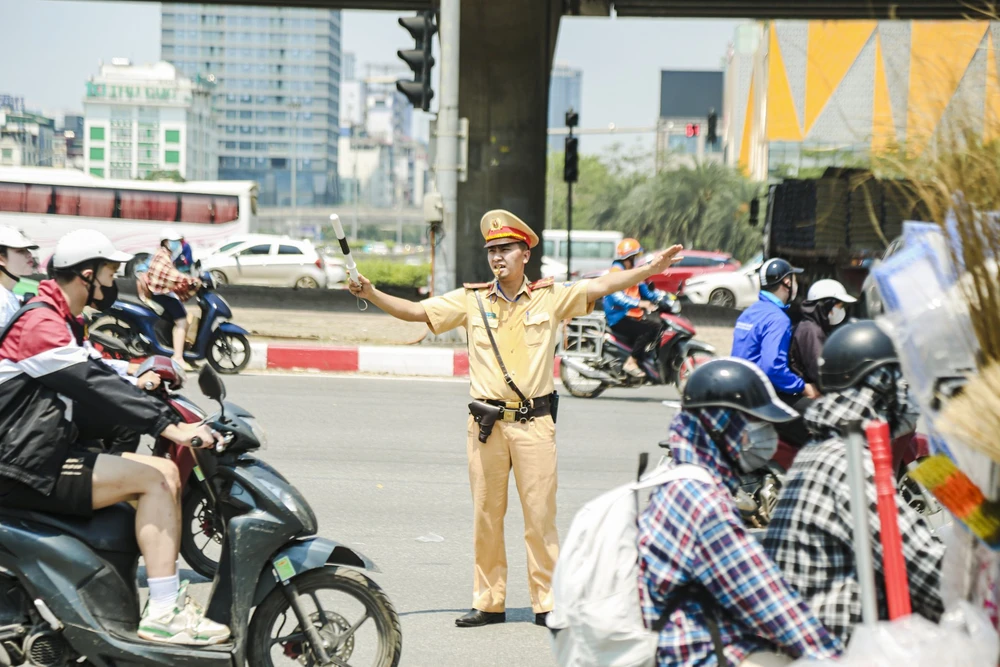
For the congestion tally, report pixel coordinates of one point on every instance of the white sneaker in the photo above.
(184, 624)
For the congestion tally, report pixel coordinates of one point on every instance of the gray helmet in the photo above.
(735, 384)
(852, 352)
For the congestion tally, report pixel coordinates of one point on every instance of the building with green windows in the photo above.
(148, 119)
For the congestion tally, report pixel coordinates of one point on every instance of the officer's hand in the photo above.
(811, 392)
(148, 381)
(665, 259)
(363, 290)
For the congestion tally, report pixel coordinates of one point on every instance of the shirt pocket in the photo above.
(536, 329)
(479, 336)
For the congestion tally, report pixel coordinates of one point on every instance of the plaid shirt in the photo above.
(692, 533)
(164, 278)
(811, 537)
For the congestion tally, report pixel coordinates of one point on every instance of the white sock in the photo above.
(163, 594)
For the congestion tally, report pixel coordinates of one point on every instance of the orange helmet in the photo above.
(627, 248)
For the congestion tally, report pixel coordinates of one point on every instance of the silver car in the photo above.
(274, 261)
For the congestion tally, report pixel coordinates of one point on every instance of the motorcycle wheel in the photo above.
(228, 353)
(579, 386)
(691, 361)
(275, 638)
(201, 533)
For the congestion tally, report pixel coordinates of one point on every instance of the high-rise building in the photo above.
(25, 137)
(687, 97)
(277, 72)
(564, 94)
(350, 63)
(143, 119)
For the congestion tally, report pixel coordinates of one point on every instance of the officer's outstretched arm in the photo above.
(614, 281)
(409, 311)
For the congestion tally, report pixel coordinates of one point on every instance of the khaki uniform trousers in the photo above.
(530, 450)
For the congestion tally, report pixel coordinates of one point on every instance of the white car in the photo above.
(336, 271)
(552, 268)
(729, 289)
(261, 259)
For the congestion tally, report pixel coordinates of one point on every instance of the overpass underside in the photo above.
(506, 55)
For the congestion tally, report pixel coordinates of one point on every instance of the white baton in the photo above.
(338, 229)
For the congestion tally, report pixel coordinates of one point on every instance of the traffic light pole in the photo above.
(446, 162)
(569, 224)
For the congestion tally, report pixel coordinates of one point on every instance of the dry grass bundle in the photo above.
(973, 417)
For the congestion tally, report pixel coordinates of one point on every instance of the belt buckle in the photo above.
(512, 405)
(509, 415)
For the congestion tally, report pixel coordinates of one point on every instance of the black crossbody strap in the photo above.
(24, 309)
(496, 351)
(709, 607)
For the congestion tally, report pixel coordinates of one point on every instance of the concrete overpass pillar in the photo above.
(506, 59)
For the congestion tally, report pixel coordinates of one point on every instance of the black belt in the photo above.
(522, 411)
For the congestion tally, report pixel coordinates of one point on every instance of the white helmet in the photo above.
(170, 234)
(829, 289)
(12, 238)
(84, 245)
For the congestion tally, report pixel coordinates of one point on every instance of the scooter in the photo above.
(139, 324)
(592, 357)
(68, 590)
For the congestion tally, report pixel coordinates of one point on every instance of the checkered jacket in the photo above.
(164, 278)
(691, 533)
(811, 538)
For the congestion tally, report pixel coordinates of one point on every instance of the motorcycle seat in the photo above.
(146, 303)
(109, 529)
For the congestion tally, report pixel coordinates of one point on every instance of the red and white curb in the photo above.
(382, 359)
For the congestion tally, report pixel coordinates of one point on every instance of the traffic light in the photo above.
(422, 28)
(692, 130)
(571, 167)
(713, 122)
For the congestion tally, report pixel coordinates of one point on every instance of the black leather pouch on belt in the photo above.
(486, 416)
(554, 405)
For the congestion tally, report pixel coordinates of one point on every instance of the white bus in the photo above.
(592, 250)
(47, 203)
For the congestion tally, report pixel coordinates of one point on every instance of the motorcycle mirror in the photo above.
(211, 384)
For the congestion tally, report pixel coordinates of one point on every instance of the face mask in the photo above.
(758, 444)
(175, 249)
(110, 295)
(837, 315)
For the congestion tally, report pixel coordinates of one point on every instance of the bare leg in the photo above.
(157, 519)
(179, 335)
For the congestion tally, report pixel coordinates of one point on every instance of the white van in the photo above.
(592, 250)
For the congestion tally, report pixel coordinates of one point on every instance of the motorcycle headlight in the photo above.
(284, 496)
(257, 430)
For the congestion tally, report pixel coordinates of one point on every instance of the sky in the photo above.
(59, 44)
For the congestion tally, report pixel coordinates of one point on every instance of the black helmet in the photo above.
(852, 352)
(736, 384)
(773, 271)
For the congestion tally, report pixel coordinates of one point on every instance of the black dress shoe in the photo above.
(540, 619)
(476, 618)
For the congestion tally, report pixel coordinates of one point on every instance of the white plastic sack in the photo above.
(964, 638)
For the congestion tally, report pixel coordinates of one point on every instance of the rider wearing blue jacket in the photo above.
(625, 310)
(763, 335)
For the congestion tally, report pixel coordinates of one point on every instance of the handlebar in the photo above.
(196, 442)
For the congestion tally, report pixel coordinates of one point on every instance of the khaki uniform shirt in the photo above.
(525, 330)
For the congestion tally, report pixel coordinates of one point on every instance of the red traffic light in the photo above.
(693, 130)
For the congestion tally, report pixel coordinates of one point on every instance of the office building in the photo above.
(25, 138)
(565, 87)
(686, 99)
(143, 120)
(277, 71)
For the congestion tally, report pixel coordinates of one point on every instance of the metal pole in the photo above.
(446, 160)
(858, 481)
(569, 223)
(295, 149)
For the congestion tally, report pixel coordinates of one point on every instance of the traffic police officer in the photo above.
(512, 325)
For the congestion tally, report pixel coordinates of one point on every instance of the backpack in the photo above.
(597, 619)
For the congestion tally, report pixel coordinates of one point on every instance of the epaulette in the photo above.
(477, 285)
(544, 282)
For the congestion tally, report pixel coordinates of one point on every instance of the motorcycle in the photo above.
(68, 589)
(138, 324)
(592, 357)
